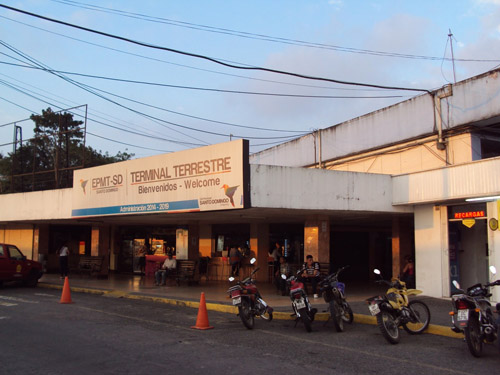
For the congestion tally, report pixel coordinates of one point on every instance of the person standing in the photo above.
(276, 254)
(280, 283)
(235, 260)
(63, 260)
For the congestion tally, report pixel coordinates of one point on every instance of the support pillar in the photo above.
(317, 238)
(206, 243)
(100, 243)
(401, 244)
(259, 245)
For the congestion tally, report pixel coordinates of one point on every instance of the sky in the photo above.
(179, 99)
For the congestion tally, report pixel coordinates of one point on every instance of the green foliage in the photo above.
(47, 160)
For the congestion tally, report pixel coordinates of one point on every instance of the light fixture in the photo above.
(483, 199)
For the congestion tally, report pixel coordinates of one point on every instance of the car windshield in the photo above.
(1, 251)
(15, 253)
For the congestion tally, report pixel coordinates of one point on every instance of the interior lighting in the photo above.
(483, 199)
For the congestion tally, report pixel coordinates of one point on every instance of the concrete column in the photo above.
(94, 241)
(41, 241)
(432, 265)
(317, 238)
(493, 209)
(401, 243)
(259, 245)
(372, 262)
(206, 243)
(193, 242)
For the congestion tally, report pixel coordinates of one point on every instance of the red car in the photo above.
(15, 267)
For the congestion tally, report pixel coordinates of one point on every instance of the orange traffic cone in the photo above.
(202, 320)
(66, 293)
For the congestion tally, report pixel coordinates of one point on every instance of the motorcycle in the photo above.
(334, 294)
(300, 302)
(472, 315)
(247, 298)
(394, 310)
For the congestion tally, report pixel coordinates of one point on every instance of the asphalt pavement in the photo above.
(141, 287)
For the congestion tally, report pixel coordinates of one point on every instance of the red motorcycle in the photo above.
(300, 303)
(247, 298)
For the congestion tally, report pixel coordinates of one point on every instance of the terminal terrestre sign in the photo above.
(203, 179)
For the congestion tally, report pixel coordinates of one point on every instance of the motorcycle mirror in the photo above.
(283, 276)
(376, 271)
(456, 284)
(493, 270)
(253, 260)
(231, 278)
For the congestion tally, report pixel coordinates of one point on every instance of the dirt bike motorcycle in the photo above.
(471, 315)
(394, 309)
(300, 302)
(334, 294)
(247, 298)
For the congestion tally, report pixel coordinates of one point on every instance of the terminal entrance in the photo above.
(468, 244)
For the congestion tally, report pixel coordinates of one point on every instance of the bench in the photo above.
(90, 264)
(186, 271)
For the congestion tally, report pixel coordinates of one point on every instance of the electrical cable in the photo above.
(207, 58)
(207, 89)
(192, 67)
(249, 35)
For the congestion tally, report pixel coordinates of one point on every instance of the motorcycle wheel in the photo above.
(304, 315)
(348, 316)
(267, 315)
(420, 319)
(473, 336)
(336, 313)
(245, 313)
(388, 327)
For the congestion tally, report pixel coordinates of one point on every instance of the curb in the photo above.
(433, 329)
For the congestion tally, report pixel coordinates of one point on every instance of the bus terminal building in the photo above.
(419, 178)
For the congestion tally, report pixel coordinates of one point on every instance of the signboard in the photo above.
(203, 179)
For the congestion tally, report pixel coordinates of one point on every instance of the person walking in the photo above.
(63, 260)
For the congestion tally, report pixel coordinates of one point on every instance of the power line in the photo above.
(191, 67)
(207, 89)
(203, 57)
(256, 36)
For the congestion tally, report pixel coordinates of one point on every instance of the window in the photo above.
(1, 251)
(15, 253)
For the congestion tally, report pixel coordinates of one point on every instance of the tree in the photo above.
(47, 160)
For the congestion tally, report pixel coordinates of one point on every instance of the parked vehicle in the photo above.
(247, 298)
(15, 267)
(300, 302)
(394, 310)
(334, 294)
(472, 315)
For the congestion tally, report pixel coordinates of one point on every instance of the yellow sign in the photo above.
(469, 223)
(493, 223)
(19, 268)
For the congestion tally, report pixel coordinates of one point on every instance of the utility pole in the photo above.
(450, 35)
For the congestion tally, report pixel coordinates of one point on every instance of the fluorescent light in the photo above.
(492, 198)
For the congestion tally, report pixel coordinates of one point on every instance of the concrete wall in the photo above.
(473, 100)
(431, 250)
(475, 179)
(21, 235)
(302, 188)
(38, 205)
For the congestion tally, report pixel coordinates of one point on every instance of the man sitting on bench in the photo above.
(167, 267)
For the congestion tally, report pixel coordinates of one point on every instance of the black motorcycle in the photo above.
(473, 317)
(334, 294)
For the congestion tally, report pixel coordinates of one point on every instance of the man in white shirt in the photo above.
(167, 267)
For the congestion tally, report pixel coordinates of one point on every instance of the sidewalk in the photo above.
(141, 287)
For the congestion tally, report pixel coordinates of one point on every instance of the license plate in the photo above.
(299, 303)
(463, 315)
(237, 301)
(374, 309)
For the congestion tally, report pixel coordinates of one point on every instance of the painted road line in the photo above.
(7, 304)
(16, 299)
